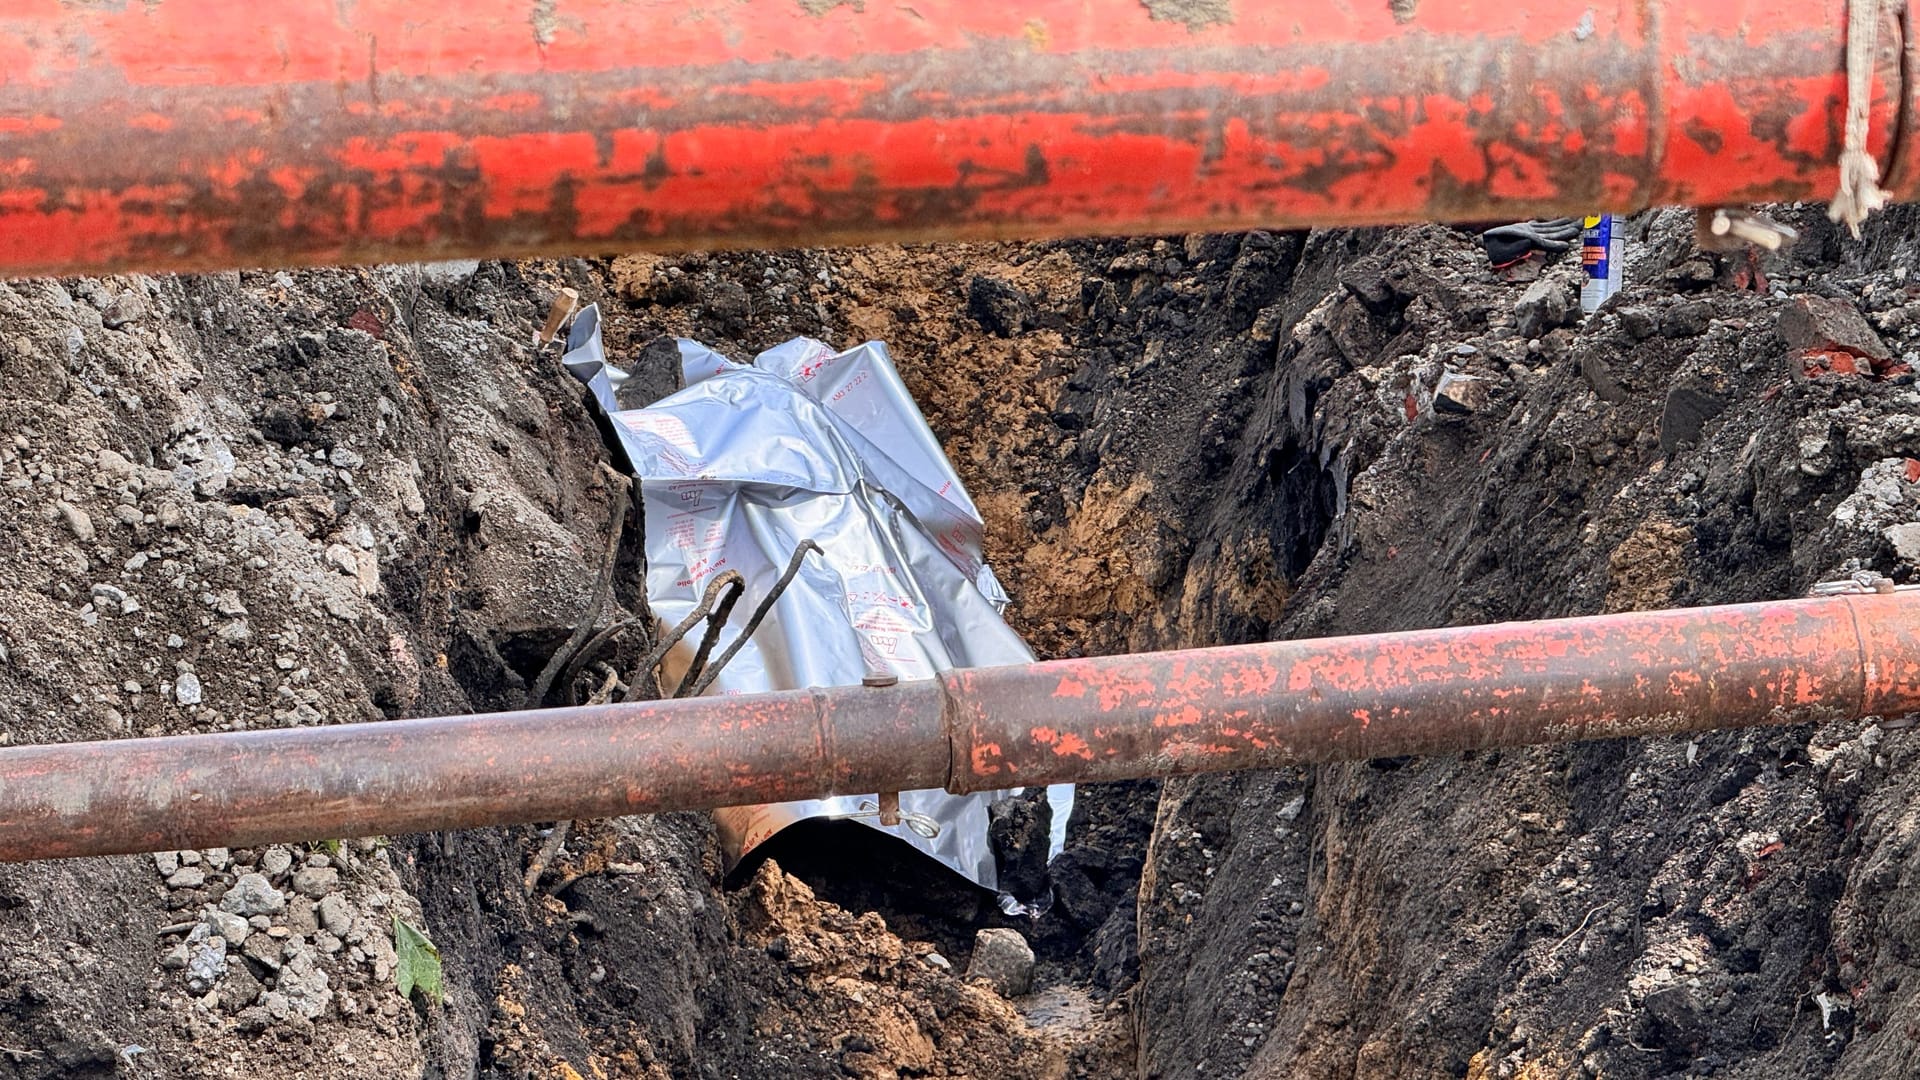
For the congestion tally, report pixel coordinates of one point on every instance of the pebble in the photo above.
(186, 689)
(934, 959)
(304, 984)
(206, 958)
(336, 915)
(112, 598)
(228, 925)
(78, 520)
(166, 862)
(253, 894)
(316, 881)
(1905, 539)
(341, 558)
(187, 877)
(276, 861)
(301, 920)
(264, 950)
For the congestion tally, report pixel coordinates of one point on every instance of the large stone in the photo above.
(1638, 323)
(1001, 309)
(336, 915)
(1003, 960)
(1543, 307)
(277, 860)
(1823, 323)
(206, 958)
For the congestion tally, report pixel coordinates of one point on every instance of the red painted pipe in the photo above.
(183, 134)
(1207, 710)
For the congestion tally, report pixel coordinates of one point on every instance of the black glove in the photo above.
(1510, 243)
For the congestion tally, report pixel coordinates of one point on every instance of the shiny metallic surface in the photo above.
(195, 134)
(1206, 710)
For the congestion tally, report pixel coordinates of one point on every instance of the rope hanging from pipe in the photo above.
(194, 134)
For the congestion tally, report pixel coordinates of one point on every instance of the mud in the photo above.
(323, 497)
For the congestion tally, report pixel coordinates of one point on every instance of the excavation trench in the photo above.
(1176, 443)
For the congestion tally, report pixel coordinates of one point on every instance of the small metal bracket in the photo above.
(1860, 582)
(922, 825)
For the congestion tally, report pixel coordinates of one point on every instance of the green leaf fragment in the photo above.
(417, 963)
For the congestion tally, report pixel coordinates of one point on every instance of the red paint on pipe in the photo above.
(1208, 710)
(170, 135)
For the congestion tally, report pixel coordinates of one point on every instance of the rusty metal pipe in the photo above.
(195, 134)
(1162, 714)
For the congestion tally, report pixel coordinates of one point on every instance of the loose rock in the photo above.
(277, 860)
(228, 925)
(187, 877)
(1689, 318)
(1905, 539)
(1824, 323)
(336, 914)
(1003, 960)
(206, 958)
(1543, 307)
(253, 894)
(79, 521)
(1460, 394)
(316, 881)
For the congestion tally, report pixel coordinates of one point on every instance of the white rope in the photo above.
(1859, 193)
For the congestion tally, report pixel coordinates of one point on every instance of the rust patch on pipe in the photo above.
(1195, 14)
(1164, 714)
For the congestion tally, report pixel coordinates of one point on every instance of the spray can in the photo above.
(1601, 247)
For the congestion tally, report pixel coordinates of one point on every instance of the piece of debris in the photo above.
(253, 894)
(558, 312)
(719, 464)
(1003, 960)
(1460, 395)
(1822, 325)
